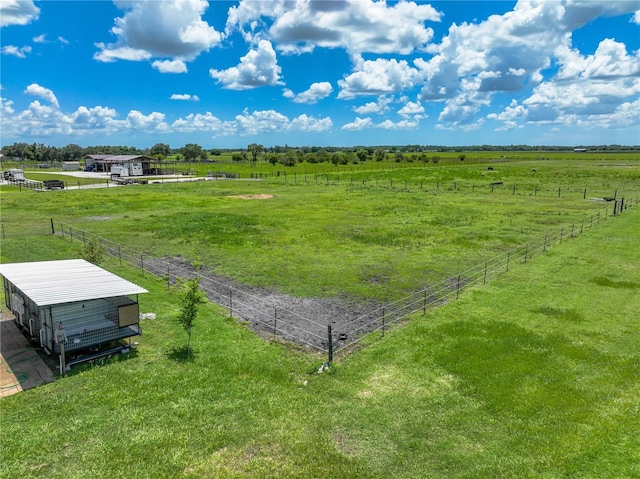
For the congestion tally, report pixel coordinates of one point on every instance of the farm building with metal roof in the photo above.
(71, 305)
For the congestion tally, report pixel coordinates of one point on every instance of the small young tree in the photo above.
(191, 298)
(93, 251)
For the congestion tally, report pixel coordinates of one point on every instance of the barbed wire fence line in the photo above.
(274, 316)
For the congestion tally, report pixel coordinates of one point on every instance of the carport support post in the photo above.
(330, 338)
(63, 361)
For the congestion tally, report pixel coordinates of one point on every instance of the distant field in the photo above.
(376, 233)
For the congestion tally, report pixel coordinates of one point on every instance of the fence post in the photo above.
(119, 254)
(572, 228)
(582, 226)
(142, 264)
(526, 252)
(544, 248)
(535, 191)
(424, 302)
(561, 233)
(53, 230)
(484, 281)
(275, 322)
(168, 275)
(330, 337)
(508, 257)
(598, 217)
(514, 189)
(585, 194)
(383, 321)
(230, 303)
(458, 287)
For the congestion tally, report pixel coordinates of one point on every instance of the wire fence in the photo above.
(275, 316)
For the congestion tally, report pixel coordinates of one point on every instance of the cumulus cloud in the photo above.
(251, 123)
(355, 25)
(170, 66)
(317, 91)
(509, 53)
(305, 122)
(378, 77)
(169, 29)
(411, 109)
(257, 68)
(358, 124)
(17, 12)
(184, 96)
(379, 107)
(510, 116)
(19, 52)
(42, 92)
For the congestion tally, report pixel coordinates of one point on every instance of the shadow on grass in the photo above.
(180, 354)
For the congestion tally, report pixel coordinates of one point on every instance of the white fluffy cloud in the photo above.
(379, 107)
(317, 91)
(257, 68)
(184, 97)
(171, 29)
(170, 66)
(410, 108)
(356, 25)
(509, 53)
(42, 92)
(360, 124)
(19, 52)
(378, 77)
(17, 12)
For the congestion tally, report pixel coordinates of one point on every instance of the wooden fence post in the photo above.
(330, 337)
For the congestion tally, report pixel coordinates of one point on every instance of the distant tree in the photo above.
(241, 156)
(191, 151)
(160, 149)
(379, 154)
(462, 157)
(191, 299)
(362, 155)
(255, 150)
(290, 158)
(399, 156)
(71, 152)
(272, 158)
(93, 251)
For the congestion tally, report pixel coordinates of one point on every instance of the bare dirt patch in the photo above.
(252, 197)
(274, 315)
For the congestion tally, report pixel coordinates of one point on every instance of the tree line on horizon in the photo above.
(41, 153)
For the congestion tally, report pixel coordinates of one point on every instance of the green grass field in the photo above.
(534, 375)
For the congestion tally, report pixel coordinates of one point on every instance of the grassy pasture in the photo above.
(534, 375)
(308, 239)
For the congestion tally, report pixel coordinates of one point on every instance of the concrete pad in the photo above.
(21, 367)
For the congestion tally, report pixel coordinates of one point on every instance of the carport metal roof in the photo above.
(66, 281)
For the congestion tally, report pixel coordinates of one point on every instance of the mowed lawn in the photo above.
(536, 374)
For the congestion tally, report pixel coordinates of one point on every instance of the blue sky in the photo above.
(309, 72)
